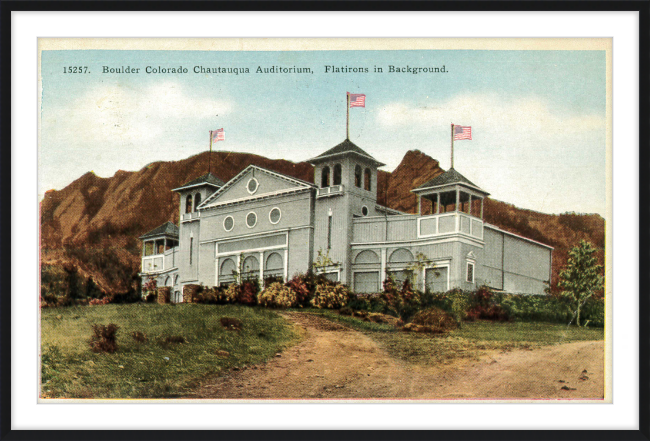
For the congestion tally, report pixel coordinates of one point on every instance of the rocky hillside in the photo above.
(94, 223)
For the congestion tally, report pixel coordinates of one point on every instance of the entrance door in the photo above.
(436, 279)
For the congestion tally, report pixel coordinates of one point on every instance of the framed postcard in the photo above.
(326, 230)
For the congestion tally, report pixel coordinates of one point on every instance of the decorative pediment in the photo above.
(254, 183)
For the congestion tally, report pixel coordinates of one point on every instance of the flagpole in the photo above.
(452, 145)
(347, 119)
(210, 155)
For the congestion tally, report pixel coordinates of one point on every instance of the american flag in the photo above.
(462, 132)
(218, 135)
(357, 100)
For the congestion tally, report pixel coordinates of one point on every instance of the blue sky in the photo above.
(538, 117)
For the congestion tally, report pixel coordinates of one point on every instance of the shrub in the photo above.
(130, 296)
(248, 292)
(301, 285)
(435, 320)
(268, 281)
(190, 292)
(95, 302)
(491, 312)
(403, 302)
(138, 336)
(150, 286)
(485, 307)
(104, 338)
(151, 297)
(175, 339)
(279, 296)
(593, 311)
(459, 305)
(212, 296)
(543, 308)
(231, 323)
(331, 296)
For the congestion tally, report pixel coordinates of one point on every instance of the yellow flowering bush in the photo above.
(231, 294)
(278, 295)
(331, 296)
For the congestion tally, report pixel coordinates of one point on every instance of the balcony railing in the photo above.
(410, 227)
(333, 190)
(456, 222)
(190, 216)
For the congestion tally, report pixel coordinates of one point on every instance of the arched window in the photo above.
(337, 174)
(367, 180)
(197, 200)
(168, 281)
(188, 204)
(367, 256)
(250, 267)
(325, 177)
(227, 268)
(357, 176)
(401, 255)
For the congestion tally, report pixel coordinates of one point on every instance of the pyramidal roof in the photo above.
(449, 177)
(166, 229)
(346, 147)
(207, 178)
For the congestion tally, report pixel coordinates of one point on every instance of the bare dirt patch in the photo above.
(336, 362)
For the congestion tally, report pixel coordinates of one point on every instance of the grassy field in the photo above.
(153, 368)
(472, 341)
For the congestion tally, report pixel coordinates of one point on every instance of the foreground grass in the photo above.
(152, 369)
(473, 340)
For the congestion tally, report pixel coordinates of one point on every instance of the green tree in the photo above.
(582, 277)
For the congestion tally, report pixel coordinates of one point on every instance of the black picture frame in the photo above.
(7, 7)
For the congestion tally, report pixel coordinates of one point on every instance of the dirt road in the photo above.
(335, 362)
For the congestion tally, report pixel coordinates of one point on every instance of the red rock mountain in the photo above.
(94, 223)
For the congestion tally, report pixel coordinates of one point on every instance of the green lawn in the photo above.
(472, 341)
(154, 368)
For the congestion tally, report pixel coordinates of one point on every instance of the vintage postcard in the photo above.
(325, 219)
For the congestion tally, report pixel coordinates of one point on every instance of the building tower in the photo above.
(346, 177)
(191, 195)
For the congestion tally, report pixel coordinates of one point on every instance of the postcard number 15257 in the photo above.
(75, 69)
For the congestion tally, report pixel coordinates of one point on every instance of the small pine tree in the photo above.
(581, 278)
(92, 290)
(72, 282)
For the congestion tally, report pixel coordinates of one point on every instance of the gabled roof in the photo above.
(449, 177)
(345, 148)
(166, 229)
(298, 182)
(206, 179)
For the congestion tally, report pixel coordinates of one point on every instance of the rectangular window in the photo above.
(329, 232)
(470, 272)
(366, 282)
(191, 248)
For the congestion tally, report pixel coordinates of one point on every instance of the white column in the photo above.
(382, 276)
(163, 253)
(419, 205)
(286, 265)
(261, 269)
(216, 271)
(438, 203)
(238, 268)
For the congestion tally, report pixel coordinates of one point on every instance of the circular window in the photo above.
(251, 219)
(228, 223)
(252, 185)
(275, 215)
(364, 210)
